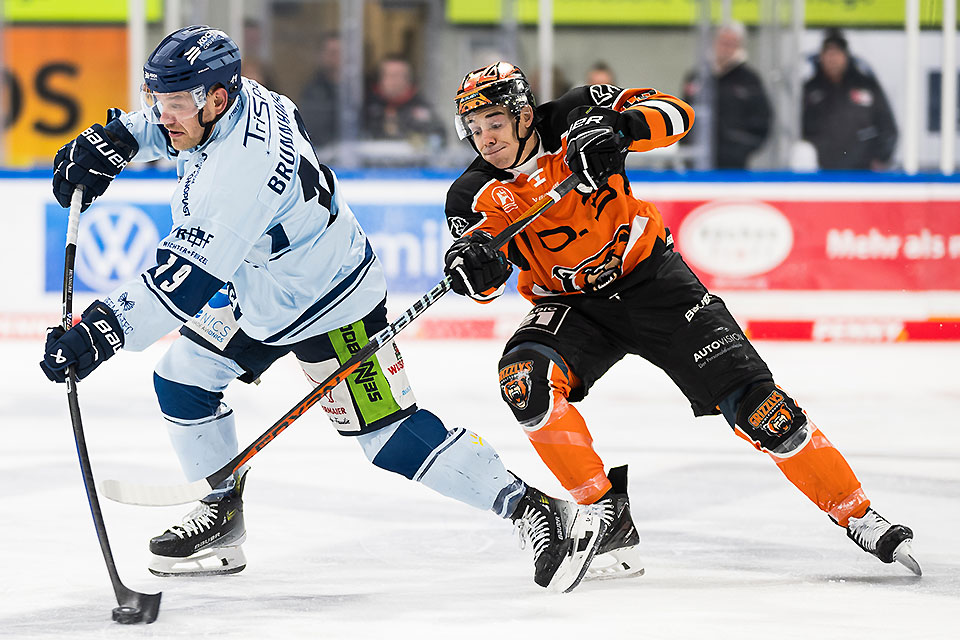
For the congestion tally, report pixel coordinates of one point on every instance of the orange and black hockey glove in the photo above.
(475, 267)
(596, 145)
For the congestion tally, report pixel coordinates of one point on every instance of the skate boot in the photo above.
(889, 542)
(563, 535)
(618, 555)
(207, 542)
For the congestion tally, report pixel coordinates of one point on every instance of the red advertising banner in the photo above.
(838, 245)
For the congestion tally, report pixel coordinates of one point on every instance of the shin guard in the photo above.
(535, 382)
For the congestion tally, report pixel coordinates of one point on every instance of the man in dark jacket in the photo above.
(395, 109)
(742, 113)
(846, 115)
(319, 101)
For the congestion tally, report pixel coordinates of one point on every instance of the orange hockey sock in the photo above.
(820, 471)
(565, 445)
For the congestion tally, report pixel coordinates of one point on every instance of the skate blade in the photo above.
(585, 532)
(619, 563)
(209, 562)
(904, 555)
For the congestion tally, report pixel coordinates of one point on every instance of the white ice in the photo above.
(340, 549)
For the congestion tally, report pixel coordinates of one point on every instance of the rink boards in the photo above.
(872, 258)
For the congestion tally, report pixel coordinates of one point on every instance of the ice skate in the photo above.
(207, 542)
(889, 542)
(618, 554)
(564, 537)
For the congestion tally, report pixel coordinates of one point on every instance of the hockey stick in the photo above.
(133, 606)
(153, 495)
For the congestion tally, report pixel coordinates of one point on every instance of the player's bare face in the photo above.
(492, 130)
(184, 134)
(187, 132)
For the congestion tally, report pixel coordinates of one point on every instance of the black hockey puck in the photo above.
(127, 615)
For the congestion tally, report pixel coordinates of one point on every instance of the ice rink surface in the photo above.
(340, 549)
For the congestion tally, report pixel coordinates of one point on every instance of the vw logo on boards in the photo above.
(116, 242)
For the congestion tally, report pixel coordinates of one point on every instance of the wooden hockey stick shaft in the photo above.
(178, 494)
(136, 606)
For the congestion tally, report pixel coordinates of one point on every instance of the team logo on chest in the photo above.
(598, 270)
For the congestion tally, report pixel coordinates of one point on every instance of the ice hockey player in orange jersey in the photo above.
(605, 281)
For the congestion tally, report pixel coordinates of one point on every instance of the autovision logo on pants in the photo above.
(735, 239)
(116, 242)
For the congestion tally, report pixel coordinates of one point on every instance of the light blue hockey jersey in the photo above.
(255, 212)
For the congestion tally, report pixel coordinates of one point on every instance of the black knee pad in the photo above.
(772, 419)
(525, 381)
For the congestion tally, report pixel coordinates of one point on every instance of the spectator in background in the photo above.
(741, 110)
(256, 65)
(600, 73)
(558, 79)
(319, 101)
(395, 110)
(846, 115)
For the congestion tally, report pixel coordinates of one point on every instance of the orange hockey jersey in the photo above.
(584, 240)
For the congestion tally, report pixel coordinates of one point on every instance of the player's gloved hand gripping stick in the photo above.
(153, 495)
(133, 606)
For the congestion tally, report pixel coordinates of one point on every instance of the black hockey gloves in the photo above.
(92, 159)
(475, 266)
(94, 339)
(596, 145)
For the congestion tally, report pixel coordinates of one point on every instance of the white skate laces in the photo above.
(533, 529)
(196, 522)
(867, 530)
(607, 511)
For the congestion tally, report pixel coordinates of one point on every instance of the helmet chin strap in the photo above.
(208, 127)
(517, 161)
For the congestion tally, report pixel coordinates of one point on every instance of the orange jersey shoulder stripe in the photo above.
(668, 117)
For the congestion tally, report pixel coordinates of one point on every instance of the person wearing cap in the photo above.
(846, 115)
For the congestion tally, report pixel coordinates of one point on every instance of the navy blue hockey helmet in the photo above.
(192, 60)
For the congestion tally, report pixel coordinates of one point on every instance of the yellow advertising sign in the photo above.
(73, 11)
(652, 13)
(59, 80)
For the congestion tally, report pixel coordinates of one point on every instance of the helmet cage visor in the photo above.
(177, 105)
(512, 94)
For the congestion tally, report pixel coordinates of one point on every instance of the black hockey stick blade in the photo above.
(134, 606)
(166, 495)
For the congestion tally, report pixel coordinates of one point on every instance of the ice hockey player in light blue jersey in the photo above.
(265, 258)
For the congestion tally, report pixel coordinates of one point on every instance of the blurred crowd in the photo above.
(846, 119)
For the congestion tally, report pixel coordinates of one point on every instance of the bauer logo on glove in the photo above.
(595, 146)
(92, 160)
(92, 341)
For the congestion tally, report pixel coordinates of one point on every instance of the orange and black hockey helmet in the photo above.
(501, 84)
